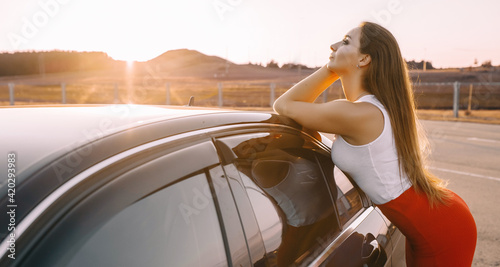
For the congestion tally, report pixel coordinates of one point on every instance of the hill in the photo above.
(174, 64)
(187, 63)
(96, 78)
(182, 65)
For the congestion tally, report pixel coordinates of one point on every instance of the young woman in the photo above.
(378, 145)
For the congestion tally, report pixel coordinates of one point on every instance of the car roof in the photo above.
(38, 131)
(42, 133)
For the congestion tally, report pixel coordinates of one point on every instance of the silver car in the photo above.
(132, 185)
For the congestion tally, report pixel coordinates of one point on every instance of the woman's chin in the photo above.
(331, 66)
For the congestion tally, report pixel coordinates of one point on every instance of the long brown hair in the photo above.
(387, 78)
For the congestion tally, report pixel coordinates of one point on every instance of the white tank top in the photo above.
(373, 166)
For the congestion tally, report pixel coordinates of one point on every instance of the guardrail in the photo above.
(480, 95)
(485, 92)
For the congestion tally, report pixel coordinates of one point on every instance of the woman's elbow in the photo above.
(279, 106)
(276, 107)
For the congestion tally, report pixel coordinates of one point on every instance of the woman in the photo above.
(378, 145)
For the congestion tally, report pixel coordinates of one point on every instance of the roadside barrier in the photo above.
(451, 95)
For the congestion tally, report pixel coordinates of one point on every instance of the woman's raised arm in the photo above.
(356, 122)
(306, 90)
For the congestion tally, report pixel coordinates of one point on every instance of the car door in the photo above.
(365, 239)
(307, 211)
(167, 203)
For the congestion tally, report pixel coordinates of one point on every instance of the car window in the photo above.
(176, 226)
(161, 213)
(289, 195)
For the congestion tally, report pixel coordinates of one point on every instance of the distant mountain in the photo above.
(186, 57)
(185, 62)
(181, 63)
(174, 63)
(191, 63)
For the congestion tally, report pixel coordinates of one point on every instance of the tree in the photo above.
(272, 64)
(413, 65)
(487, 64)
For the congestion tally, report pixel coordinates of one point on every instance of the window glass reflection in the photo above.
(177, 226)
(288, 192)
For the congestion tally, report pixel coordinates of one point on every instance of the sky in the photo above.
(447, 33)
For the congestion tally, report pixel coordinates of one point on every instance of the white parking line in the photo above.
(483, 140)
(466, 173)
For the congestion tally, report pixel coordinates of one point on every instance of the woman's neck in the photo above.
(353, 87)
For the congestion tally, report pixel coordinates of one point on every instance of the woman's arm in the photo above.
(306, 90)
(354, 121)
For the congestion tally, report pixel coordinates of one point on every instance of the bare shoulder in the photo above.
(358, 123)
(369, 123)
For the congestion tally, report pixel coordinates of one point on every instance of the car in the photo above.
(139, 185)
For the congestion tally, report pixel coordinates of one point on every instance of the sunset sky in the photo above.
(447, 33)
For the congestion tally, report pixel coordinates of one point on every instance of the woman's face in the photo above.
(345, 55)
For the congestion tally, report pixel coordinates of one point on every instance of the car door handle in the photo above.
(373, 254)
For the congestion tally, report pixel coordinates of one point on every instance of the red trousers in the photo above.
(445, 235)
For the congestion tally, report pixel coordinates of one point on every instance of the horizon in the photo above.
(264, 64)
(449, 34)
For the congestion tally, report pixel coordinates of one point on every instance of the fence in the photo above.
(454, 95)
(458, 95)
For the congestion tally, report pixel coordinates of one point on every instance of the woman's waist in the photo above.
(382, 188)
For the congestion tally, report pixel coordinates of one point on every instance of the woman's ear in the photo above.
(365, 60)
